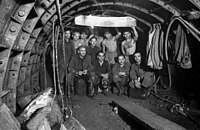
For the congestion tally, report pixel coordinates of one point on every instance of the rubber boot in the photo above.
(91, 90)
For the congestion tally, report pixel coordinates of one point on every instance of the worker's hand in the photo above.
(119, 33)
(122, 73)
(80, 72)
(85, 72)
(105, 75)
(137, 84)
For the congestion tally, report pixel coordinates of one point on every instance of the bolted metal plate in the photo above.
(46, 3)
(40, 38)
(21, 41)
(25, 59)
(30, 62)
(15, 61)
(20, 90)
(11, 100)
(38, 59)
(21, 13)
(36, 32)
(47, 26)
(3, 60)
(45, 17)
(4, 55)
(35, 80)
(22, 75)
(54, 18)
(12, 80)
(27, 89)
(52, 9)
(12, 32)
(30, 24)
(35, 59)
(33, 50)
(30, 44)
(28, 71)
(11, 97)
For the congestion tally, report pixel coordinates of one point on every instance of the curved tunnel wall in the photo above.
(25, 29)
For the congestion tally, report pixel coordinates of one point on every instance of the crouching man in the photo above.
(80, 68)
(121, 74)
(103, 73)
(140, 78)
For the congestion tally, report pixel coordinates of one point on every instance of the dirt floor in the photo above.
(99, 113)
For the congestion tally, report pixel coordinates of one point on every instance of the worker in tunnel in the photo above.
(110, 46)
(128, 46)
(120, 73)
(140, 76)
(93, 49)
(80, 68)
(102, 74)
(69, 52)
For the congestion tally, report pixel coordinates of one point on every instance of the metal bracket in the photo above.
(22, 75)
(21, 41)
(21, 13)
(196, 3)
(30, 44)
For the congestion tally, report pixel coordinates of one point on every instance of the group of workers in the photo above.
(94, 60)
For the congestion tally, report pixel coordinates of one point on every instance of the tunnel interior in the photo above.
(26, 35)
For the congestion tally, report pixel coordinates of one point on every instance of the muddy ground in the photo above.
(98, 113)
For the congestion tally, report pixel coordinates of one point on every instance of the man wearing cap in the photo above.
(80, 67)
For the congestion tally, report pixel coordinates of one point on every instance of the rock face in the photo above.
(7, 119)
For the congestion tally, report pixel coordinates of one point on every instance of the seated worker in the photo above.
(80, 67)
(102, 72)
(139, 76)
(92, 49)
(121, 74)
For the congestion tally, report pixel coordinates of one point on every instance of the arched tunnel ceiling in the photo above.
(25, 31)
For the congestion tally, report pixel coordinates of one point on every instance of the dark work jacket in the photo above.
(105, 68)
(92, 51)
(69, 52)
(77, 64)
(116, 68)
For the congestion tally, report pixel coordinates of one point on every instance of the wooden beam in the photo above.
(146, 117)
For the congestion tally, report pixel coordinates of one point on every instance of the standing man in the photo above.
(128, 46)
(80, 67)
(120, 74)
(76, 40)
(102, 72)
(69, 52)
(92, 49)
(110, 46)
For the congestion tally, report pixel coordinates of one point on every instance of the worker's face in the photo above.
(76, 36)
(137, 58)
(93, 41)
(82, 51)
(121, 60)
(107, 35)
(101, 57)
(84, 35)
(67, 34)
(127, 34)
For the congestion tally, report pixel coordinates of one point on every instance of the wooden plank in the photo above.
(105, 21)
(7, 119)
(148, 118)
